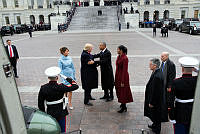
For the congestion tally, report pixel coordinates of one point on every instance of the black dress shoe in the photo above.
(104, 97)
(89, 104)
(16, 76)
(92, 98)
(109, 99)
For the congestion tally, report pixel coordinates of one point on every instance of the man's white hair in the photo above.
(165, 53)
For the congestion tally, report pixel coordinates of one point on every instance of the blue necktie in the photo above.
(163, 65)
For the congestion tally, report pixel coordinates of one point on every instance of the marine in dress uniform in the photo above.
(53, 94)
(183, 89)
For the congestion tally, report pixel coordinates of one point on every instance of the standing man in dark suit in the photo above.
(89, 73)
(13, 56)
(154, 96)
(169, 72)
(107, 78)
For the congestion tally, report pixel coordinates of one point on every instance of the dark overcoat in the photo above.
(169, 73)
(154, 95)
(107, 78)
(124, 94)
(89, 73)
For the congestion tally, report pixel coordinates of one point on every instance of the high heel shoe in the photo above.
(122, 110)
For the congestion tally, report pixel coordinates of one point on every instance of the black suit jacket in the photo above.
(16, 56)
(107, 77)
(169, 73)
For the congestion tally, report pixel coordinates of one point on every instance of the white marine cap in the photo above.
(52, 71)
(189, 62)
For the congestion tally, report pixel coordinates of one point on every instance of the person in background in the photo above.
(13, 56)
(154, 30)
(67, 69)
(122, 85)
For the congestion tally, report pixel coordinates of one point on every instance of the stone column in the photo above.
(1, 4)
(91, 3)
(141, 2)
(25, 4)
(10, 4)
(151, 2)
(45, 4)
(35, 6)
(101, 2)
(162, 1)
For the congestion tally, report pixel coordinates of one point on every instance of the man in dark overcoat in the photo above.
(183, 97)
(107, 77)
(89, 73)
(13, 56)
(154, 96)
(169, 72)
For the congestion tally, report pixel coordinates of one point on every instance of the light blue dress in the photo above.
(67, 68)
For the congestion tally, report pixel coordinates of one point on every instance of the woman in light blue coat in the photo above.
(67, 68)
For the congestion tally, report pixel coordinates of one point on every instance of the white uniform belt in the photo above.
(54, 102)
(184, 101)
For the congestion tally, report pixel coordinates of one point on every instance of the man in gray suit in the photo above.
(169, 72)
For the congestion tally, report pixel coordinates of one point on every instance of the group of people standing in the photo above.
(89, 75)
(167, 98)
(55, 94)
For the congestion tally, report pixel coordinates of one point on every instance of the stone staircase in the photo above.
(86, 18)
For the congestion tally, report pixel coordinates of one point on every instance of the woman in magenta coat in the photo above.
(122, 85)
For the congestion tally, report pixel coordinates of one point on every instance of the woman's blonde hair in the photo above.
(87, 46)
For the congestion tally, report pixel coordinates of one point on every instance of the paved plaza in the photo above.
(42, 51)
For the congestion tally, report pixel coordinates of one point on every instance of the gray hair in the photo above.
(155, 61)
(103, 43)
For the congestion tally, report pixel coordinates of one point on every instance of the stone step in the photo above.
(86, 18)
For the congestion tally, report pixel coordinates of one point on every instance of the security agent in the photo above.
(183, 90)
(54, 95)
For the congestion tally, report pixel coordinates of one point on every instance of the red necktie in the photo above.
(10, 52)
